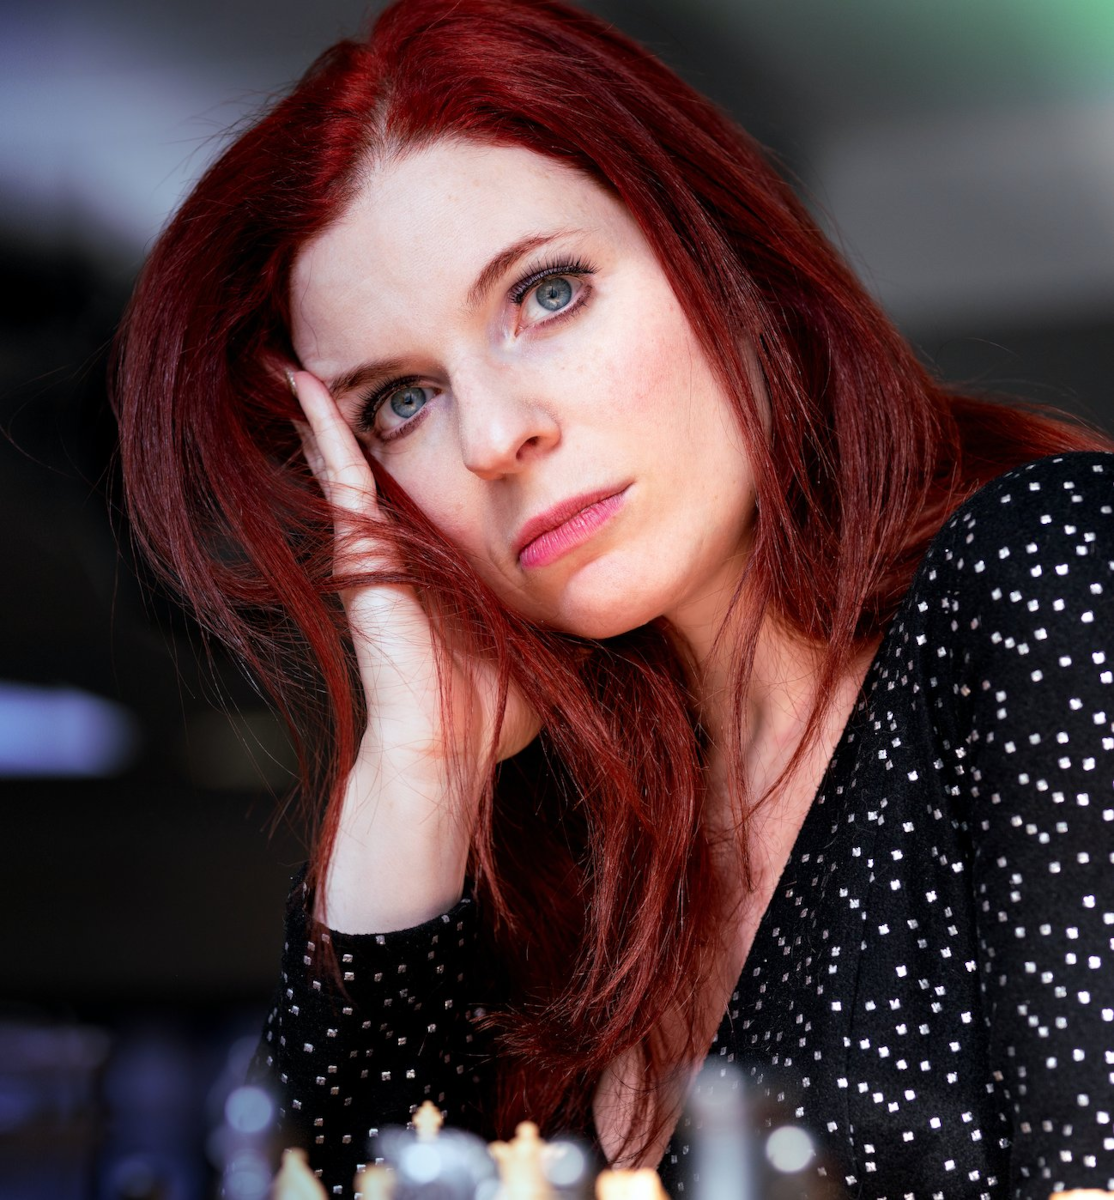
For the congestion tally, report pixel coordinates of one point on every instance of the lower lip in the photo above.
(551, 546)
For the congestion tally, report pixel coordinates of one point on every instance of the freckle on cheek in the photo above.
(647, 374)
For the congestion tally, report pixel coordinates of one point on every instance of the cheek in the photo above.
(449, 503)
(429, 472)
(653, 363)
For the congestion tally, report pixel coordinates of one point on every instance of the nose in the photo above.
(502, 428)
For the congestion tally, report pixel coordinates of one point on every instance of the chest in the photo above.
(859, 1007)
(772, 832)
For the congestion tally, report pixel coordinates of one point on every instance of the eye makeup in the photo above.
(369, 405)
(547, 270)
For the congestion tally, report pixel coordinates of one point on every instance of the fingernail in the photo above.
(291, 384)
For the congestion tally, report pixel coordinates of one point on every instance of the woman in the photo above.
(680, 664)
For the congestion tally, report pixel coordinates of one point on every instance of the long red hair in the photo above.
(866, 455)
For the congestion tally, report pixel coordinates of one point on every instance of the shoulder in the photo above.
(1016, 595)
(1042, 528)
(1004, 641)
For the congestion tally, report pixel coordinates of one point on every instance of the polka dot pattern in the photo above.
(929, 988)
(359, 1042)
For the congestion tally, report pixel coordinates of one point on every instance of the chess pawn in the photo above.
(427, 1121)
(520, 1163)
(295, 1181)
(376, 1182)
(434, 1163)
(642, 1184)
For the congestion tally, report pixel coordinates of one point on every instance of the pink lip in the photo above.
(553, 533)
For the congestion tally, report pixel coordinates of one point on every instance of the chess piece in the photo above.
(725, 1161)
(520, 1163)
(427, 1121)
(570, 1170)
(642, 1184)
(426, 1160)
(1082, 1194)
(241, 1144)
(295, 1181)
(375, 1182)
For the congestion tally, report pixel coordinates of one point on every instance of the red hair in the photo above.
(866, 455)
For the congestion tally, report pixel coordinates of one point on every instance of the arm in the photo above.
(410, 801)
(349, 1055)
(398, 830)
(378, 969)
(1028, 625)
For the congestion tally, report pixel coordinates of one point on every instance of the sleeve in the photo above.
(1030, 617)
(366, 1027)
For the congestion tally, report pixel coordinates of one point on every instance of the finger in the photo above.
(310, 450)
(342, 469)
(338, 463)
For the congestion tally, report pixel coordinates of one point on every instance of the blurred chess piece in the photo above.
(522, 1173)
(748, 1145)
(295, 1181)
(642, 1184)
(1082, 1194)
(724, 1166)
(241, 1145)
(375, 1182)
(378, 1181)
(427, 1161)
(570, 1169)
(427, 1121)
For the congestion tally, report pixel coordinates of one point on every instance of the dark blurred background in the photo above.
(962, 154)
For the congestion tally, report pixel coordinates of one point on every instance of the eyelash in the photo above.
(369, 407)
(576, 268)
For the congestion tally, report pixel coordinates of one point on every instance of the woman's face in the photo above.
(499, 334)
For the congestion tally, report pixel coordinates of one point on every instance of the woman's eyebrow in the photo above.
(504, 260)
(363, 376)
(369, 372)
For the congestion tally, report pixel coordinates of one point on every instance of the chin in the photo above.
(596, 629)
(600, 617)
(597, 603)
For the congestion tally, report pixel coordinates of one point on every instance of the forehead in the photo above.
(422, 226)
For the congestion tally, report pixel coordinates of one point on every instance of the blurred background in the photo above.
(961, 153)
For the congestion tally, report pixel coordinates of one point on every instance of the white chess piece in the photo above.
(427, 1121)
(642, 1184)
(521, 1176)
(375, 1182)
(295, 1181)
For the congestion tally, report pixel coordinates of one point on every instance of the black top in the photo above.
(930, 987)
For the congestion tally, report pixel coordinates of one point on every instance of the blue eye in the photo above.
(407, 401)
(553, 285)
(554, 293)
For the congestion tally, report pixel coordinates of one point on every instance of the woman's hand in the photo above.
(410, 800)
